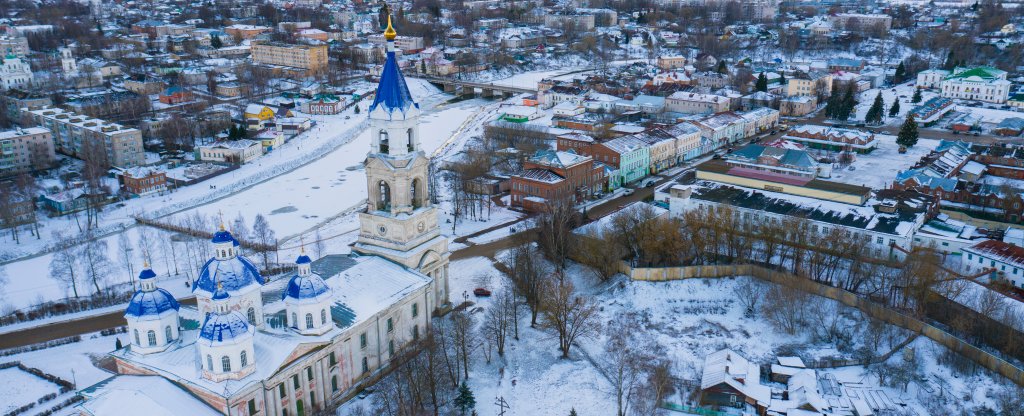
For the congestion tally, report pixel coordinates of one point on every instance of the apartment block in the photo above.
(23, 150)
(312, 58)
(72, 132)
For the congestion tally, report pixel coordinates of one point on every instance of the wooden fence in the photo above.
(202, 234)
(869, 308)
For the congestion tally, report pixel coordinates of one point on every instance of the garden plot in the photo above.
(20, 388)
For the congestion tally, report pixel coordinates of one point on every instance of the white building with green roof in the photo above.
(979, 84)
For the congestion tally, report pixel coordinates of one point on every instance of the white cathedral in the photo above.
(291, 346)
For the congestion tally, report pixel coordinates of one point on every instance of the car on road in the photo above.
(481, 292)
(628, 192)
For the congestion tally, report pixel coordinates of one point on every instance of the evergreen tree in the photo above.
(917, 96)
(901, 73)
(572, 412)
(832, 106)
(357, 108)
(118, 345)
(874, 114)
(423, 66)
(721, 67)
(895, 109)
(907, 136)
(465, 400)
(950, 62)
(782, 78)
(215, 42)
(762, 82)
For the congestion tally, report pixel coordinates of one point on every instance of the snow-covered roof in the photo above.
(150, 304)
(225, 328)
(728, 367)
(238, 275)
(145, 395)
(999, 251)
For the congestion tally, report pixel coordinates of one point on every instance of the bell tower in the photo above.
(399, 222)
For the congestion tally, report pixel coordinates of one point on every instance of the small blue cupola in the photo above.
(305, 286)
(150, 301)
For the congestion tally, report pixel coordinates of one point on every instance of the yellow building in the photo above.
(809, 83)
(312, 58)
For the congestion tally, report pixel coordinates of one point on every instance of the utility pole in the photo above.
(502, 405)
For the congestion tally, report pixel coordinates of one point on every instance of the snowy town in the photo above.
(491, 207)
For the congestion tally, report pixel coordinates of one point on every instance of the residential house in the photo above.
(696, 103)
(552, 176)
(813, 83)
(833, 138)
(629, 156)
(1005, 261)
(236, 152)
(142, 180)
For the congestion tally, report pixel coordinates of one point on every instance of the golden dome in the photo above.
(389, 33)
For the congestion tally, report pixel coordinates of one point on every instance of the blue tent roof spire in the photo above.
(392, 91)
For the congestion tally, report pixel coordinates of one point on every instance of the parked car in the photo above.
(628, 192)
(481, 292)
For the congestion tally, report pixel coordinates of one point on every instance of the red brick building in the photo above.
(175, 95)
(553, 176)
(142, 180)
(577, 142)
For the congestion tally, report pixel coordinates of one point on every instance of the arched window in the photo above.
(225, 364)
(251, 314)
(244, 359)
(410, 143)
(151, 338)
(383, 141)
(167, 334)
(334, 383)
(385, 196)
(309, 321)
(295, 320)
(209, 362)
(137, 337)
(414, 193)
(323, 316)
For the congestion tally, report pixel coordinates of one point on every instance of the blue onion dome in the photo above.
(303, 259)
(223, 236)
(308, 288)
(225, 328)
(150, 304)
(147, 273)
(220, 293)
(236, 273)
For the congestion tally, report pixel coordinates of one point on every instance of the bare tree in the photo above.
(147, 243)
(625, 357)
(528, 273)
(555, 227)
(600, 251)
(264, 236)
(64, 266)
(571, 315)
(124, 255)
(95, 263)
(463, 338)
(497, 324)
(748, 293)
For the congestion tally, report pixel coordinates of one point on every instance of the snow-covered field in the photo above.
(20, 388)
(878, 169)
